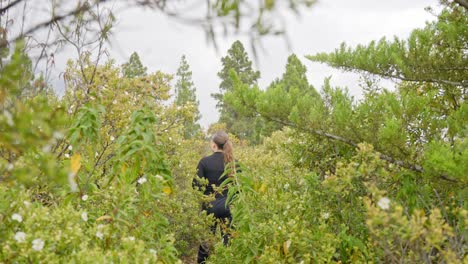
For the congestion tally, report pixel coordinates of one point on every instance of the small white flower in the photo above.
(67, 155)
(153, 251)
(286, 186)
(114, 102)
(70, 147)
(112, 138)
(84, 216)
(84, 197)
(159, 177)
(99, 235)
(27, 204)
(325, 216)
(131, 238)
(10, 166)
(20, 237)
(142, 180)
(17, 217)
(38, 244)
(384, 203)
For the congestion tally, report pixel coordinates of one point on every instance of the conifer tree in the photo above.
(411, 126)
(293, 80)
(133, 68)
(294, 76)
(236, 61)
(185, 95)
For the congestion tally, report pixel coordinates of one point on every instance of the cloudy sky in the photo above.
(161, 41)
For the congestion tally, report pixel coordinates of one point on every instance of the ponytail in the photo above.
(221, 139)
(227, 152)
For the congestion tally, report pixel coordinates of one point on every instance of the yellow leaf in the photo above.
(146, 213)
(262, 188)
(75, 163)
(167, 190)
(104, 217)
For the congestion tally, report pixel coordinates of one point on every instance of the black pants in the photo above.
(222, 213)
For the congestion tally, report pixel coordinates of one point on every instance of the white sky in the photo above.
(161, 42)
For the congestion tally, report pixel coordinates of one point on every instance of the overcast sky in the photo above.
(161, 42)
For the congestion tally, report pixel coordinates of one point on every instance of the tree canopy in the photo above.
(185, 95)
(237, 61)
(133, 68)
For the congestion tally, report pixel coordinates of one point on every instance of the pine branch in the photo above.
(399, 163)
(401, 77)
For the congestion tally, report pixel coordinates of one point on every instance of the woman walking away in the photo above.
(212, 168)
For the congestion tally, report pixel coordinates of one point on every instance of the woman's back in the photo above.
(212, 169)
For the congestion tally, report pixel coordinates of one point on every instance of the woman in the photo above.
(212, 168)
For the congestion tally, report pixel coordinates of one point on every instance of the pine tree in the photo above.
(410, 127)
(133, 68)
(293, 80)
(237, 61)
(295, 77)
(185, 95)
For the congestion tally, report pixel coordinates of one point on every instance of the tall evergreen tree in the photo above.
(294, 76)
(293, 80)
(133, 68)
(185, 94)
(238, 61)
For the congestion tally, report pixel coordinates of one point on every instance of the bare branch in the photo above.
(55, 19)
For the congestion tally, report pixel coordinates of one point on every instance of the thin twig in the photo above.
(56, 19)
(10, 5)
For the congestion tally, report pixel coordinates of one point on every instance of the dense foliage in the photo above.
(388, 171)
(104, 173)
(237, 60)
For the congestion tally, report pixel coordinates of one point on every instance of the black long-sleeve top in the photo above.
(212, 169)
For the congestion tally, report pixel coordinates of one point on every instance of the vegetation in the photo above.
(185, 95)
(238, 61)
(104, 173)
